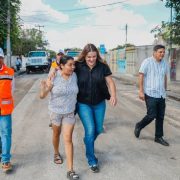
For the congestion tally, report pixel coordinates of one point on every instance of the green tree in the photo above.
(73, 49)
(30, 40)
(163, 31)
(123, 46)
(170, 31)
(15, 29)
(174, 26)
(52, 53)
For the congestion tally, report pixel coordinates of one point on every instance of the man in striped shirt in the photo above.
(152, 88)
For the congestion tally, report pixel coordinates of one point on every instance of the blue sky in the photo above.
(101, 25)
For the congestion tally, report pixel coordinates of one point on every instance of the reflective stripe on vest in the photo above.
(6, 102)
(6, 106)
(2, 77)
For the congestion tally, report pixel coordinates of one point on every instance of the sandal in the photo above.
(58, 159)
(6, 167)
(72, 175)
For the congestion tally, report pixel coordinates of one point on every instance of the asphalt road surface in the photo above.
(121, 156)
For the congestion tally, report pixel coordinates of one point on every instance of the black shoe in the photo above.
(94, 168)
(50, 124)
(161, 141)
(137, 130)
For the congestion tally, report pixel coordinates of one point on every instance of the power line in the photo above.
(93, 7)
(73, 24)
(70, 24)
(76, 15)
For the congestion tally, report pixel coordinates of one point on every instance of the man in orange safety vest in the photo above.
(6, 108)
(55, 64)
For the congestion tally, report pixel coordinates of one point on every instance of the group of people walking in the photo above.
(82, 87)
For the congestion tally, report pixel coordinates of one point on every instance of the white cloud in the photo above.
(119, 17)
(35, 11)
(104, 25)
(111, 37)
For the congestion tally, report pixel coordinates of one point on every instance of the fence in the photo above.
(129, 60)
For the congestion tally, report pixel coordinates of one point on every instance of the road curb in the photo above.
(19, 73)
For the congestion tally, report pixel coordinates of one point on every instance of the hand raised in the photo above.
(49, 82)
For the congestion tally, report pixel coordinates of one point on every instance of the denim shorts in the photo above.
(58, 119)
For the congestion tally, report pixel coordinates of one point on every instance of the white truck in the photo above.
(73, 54)
(37, 61)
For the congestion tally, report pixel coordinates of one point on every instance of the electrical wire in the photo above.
(93, 7)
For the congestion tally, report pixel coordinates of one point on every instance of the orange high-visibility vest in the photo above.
(6, 99)
(54, 65)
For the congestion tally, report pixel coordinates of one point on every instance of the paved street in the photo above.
(121, 155)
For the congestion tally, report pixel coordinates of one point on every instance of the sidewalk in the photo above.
(174, 90)
(173, 86)
(21, 71)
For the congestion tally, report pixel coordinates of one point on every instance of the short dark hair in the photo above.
(65, 59)
(159, 46)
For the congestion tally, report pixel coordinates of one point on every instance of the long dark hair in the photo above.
(64, 60)
(89, 48)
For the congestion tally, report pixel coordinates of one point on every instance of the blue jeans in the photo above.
(5, 134)
(92, 117)
(0, 146)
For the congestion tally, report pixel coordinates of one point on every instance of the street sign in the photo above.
(102, 49)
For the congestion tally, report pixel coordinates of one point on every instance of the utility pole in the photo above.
(126, 29)
(171, 58)
(171, 51)
(8, 35)
(170, 43)
(40, 32)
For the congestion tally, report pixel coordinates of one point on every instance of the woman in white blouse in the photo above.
(63, 94)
